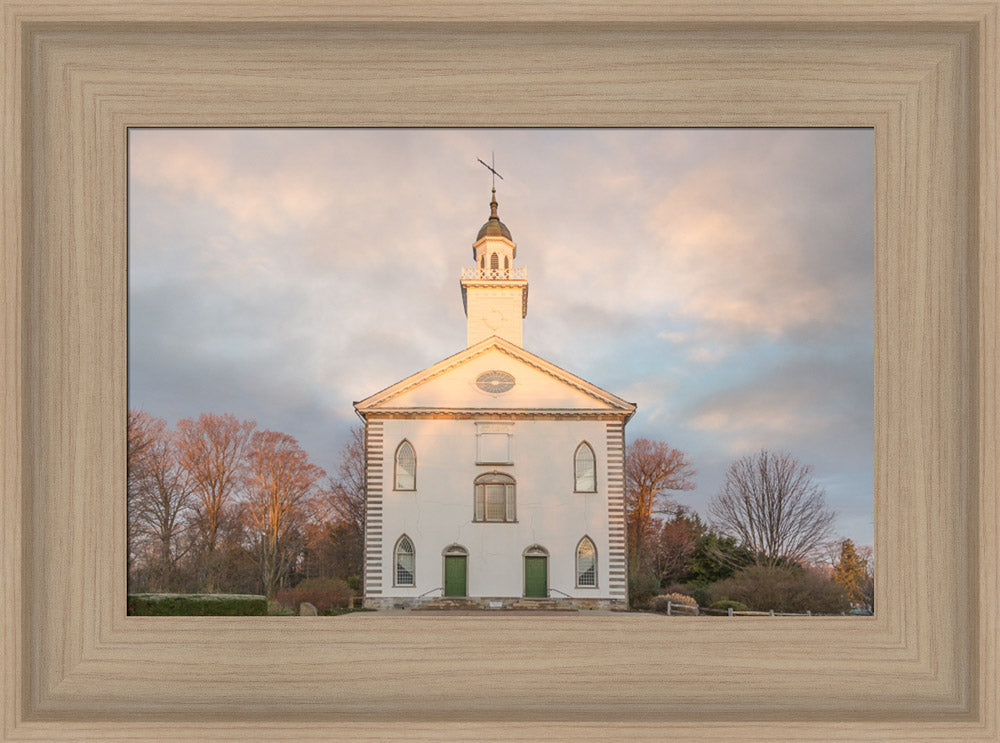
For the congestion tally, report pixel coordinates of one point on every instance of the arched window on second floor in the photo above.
(584, 469)
(406, 467)
(495, 498)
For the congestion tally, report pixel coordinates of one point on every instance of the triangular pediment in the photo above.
(463, 383)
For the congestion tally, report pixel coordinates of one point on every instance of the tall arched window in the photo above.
(405, 562)
(406, 466)
(586, 564)
(585, 469)
(494, 262)
(495, 499)
(506, 262)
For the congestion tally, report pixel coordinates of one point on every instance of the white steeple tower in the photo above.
(495, 294)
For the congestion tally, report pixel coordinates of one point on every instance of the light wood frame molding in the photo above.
(77, 74)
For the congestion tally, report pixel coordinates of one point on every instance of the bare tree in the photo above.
(346, 493)
(163, 492)
(337, 534)
(280, 485)
(652, 469)
(771, 503)
(212, 450)
(826, 555)
(142, 429)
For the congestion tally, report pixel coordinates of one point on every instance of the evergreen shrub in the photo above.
(275, 609)
(196, 604)
(699, 592)
(642, 587)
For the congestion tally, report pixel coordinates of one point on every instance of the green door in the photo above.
(454, 575)
(535, 577)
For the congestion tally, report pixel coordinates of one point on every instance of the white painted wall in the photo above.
(495, 310)
(457, 388)
(439, 512)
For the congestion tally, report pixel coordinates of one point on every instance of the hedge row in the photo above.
(196, 604)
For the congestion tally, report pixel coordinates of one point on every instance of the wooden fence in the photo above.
(688, 610)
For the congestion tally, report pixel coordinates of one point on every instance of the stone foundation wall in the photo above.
(494, 603)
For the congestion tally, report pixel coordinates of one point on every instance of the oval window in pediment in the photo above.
(495, 382)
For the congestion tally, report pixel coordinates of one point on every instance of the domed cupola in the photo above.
(494, 248)
(494, 227)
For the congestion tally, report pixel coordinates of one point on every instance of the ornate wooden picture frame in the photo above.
(76, 75)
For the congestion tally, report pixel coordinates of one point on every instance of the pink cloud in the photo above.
(253, 201)
(730, 260)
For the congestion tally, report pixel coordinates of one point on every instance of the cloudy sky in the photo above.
(720, 279)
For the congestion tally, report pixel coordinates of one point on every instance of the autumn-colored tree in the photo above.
(850, 573)
(652, 470)
(280, 484)
(141, 428)
(672, 545)
(772, 505)
(212, 449)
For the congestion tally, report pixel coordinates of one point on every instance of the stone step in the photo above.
(449, 603)
(541, 605)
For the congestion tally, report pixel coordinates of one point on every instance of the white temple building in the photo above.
(494, 476)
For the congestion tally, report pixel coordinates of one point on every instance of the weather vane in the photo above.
(492, 169)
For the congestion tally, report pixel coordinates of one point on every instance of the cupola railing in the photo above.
(495, 274)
